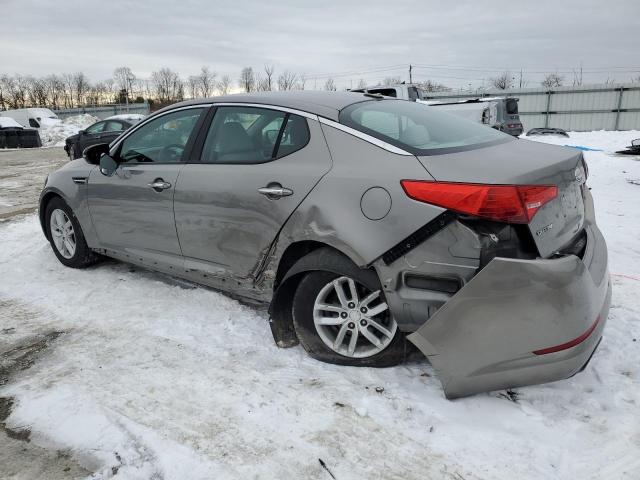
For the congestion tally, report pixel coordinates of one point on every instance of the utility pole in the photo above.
(410, 77)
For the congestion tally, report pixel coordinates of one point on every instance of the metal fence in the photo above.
(585, 108)
(105, 111)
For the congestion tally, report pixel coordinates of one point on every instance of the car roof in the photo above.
(324, 104)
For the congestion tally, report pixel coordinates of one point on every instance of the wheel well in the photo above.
(292, 254)
(43, 210)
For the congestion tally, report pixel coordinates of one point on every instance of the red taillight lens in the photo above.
(503, 203)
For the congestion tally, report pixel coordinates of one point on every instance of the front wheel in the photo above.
(344, 319)
(66, 237)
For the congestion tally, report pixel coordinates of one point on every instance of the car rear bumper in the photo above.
(520, 322)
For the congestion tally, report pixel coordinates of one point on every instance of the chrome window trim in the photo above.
(268, 107)
(351, 131)
(119, 140)
(363, 136)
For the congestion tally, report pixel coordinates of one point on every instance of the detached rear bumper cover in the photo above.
(485, 336)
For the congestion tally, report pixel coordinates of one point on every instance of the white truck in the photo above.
(500, 113)
(32, 117)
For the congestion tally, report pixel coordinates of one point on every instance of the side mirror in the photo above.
(80, 132)
(93, 153)
(108, 165)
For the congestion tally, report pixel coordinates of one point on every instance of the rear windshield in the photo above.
(418, 128)
(512, 106)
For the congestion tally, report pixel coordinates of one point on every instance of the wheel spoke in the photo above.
(369, 298)
(340, 337)
(68, 226)
(380, 328)
(352, 289)
(70, 247)
(324, 307)
(59, 219)
(340, 292)
(377, 309)
(353, 341)
(370, 336)
(330, 321)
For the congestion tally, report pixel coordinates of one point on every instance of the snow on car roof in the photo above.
(6, 122)
(132, 117)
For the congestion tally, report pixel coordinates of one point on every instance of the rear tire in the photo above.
(66, 237)
(378, 341)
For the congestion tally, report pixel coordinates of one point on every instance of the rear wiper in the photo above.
(377, 96)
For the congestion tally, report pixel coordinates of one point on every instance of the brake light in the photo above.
(503, 203)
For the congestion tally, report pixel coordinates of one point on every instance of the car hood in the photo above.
(72, 138)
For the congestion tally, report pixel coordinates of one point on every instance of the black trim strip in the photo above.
(417, 237)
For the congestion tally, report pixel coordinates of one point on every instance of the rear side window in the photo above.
(246, 135)
(96, 127)
(419, 129)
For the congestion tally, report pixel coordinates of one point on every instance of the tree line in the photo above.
(164, 86)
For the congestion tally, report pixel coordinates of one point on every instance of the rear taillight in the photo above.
(503, 203)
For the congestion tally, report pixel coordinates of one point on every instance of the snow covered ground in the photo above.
(154, 379)
(54, 135)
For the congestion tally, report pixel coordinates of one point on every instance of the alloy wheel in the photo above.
(353, 320)
(64, 237)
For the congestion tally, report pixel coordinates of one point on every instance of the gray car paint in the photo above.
(330, 214)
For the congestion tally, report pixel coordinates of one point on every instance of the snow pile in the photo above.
(158, 380)
(55, 134)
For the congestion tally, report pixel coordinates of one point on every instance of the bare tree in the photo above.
(504, 81)
(287, 80)
(247, 79)
(125, 80)
(577, 76)
(37, 92)
(168, 86)
(361, 84)
(224, 85)
(262, 84)
(207, 81)
(635, 79)
(391, 81)
(302, 82)
(80, 86)
(330, 85)
(431, 86)
(55, 90)
(552, 80)
(193, 86)
(268, 80)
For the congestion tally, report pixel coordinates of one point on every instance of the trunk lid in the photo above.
(523, 162)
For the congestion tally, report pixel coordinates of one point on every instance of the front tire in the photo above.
(66, 237)
(344, 319)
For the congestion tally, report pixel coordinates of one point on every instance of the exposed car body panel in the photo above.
(484, 337)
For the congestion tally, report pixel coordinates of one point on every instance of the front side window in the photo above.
(96, 128)
(162, 140)
(246, 135)
(33, 123)
(418, 128)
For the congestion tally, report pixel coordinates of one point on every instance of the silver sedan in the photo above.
(363, 222)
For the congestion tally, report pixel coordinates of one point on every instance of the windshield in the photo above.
(418, 128)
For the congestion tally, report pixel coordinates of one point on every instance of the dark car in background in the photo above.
(104, 131)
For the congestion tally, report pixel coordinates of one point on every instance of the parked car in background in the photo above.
(360, 220)
(500, 113)
(104, 131)
(14, 135)
(32, 117)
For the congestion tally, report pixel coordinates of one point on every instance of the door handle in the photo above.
(275, 191)
(159, 184)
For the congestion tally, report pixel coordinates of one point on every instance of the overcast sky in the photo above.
(456, 42)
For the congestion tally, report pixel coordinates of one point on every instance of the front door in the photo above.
(256, 166)
(132, 210)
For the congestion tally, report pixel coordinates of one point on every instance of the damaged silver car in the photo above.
(362, 221)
